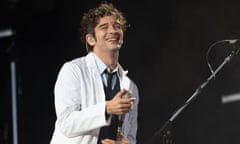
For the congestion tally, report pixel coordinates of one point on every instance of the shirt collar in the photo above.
(101, 66)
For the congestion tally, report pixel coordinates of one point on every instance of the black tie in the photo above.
(110, 131)
(109, 79)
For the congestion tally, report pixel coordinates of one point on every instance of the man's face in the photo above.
(108, 34)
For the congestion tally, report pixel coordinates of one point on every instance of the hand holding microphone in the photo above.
(120, 105)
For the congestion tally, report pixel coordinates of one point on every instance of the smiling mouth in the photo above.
(116, 41)
(113, 39)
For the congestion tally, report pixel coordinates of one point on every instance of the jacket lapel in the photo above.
(96, 78)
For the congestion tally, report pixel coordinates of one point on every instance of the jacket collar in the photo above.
(92, 65)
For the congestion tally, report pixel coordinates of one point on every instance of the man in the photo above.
(89, 105)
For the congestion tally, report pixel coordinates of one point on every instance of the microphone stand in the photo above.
(164, 131)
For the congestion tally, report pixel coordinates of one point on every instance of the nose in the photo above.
(111, 29)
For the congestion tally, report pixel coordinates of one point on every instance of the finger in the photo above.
(126, 106)
(124, 110)
(124, 139)
(109, 141)
(128, 100)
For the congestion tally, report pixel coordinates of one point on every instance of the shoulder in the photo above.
(76, 63)
(72, 67)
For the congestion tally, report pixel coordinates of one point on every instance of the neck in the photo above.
(110, 59)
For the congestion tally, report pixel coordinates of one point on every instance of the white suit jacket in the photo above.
(80, 103)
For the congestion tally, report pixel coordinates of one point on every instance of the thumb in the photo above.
(121, 93)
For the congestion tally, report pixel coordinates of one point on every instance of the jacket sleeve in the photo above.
(72, 119)
(133, 116)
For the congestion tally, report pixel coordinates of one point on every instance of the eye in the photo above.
(117, 26)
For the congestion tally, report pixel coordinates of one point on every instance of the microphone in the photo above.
(121, 117)
(6, 33)
(234, 43)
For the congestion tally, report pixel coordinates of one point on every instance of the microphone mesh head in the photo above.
(127, 95)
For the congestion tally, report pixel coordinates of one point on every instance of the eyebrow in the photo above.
(104, 24)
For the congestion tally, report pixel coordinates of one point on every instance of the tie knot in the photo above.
(106, 71)
(109, 73)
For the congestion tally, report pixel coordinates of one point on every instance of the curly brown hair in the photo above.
(91, 18)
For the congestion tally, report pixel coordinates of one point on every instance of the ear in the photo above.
(90, 39)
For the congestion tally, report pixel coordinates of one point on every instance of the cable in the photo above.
(207, 55)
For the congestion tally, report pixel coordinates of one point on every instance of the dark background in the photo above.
(165, 52)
